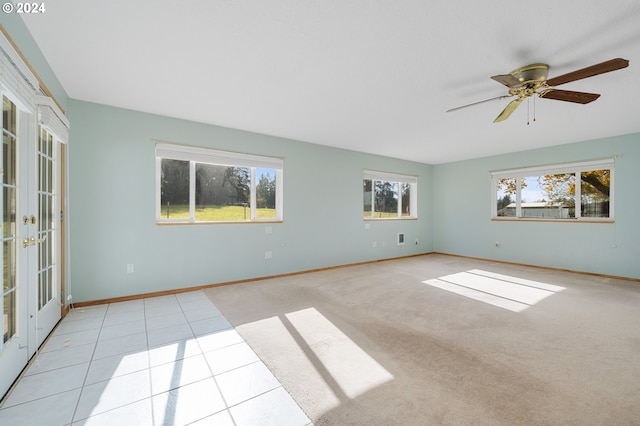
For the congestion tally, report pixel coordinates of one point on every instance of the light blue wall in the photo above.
(462, 212)
(112, 207)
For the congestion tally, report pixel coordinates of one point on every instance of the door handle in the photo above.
(31, 219)
(32, 241)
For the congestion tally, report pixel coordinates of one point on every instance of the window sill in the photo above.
(230, 222)
(376, 219)
(527, 219)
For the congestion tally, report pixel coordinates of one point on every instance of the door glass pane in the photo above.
(9, 116)
(9, 158)
(8, 212)
(9, 270)
(8, 209)
(50, 288)
(9, 313)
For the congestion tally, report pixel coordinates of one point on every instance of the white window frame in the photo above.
(375, 175)
(564, 168)
(193, 155)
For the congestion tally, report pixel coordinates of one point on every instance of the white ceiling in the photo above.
(367, 75)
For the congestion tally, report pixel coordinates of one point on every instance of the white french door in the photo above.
(30, 180)
(46, 234)
(13, 355)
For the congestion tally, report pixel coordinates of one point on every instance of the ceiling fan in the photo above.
(531, 80)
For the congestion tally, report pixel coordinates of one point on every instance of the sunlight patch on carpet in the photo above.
(504, 291)
(289, 358)
(350, 368)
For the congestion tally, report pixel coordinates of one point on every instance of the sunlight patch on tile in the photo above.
(127, 364)
(350, 367)
(504, 291)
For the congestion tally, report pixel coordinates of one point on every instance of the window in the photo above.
(564, 191)
(389, 195)
(204, 185)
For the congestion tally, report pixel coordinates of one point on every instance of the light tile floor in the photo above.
(169, 360)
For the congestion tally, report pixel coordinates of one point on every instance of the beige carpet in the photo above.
(383, 344)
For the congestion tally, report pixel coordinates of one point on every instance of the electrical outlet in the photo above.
(130, 268)
(69, 297)
(268, 255)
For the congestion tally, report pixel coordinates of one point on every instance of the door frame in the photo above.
(62, 204)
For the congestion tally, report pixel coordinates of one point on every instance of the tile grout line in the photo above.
(86, 374)
(213, 377)
(146, 333)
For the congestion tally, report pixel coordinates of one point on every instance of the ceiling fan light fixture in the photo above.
(533, 72)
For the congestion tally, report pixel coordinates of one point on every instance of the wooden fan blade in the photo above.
(601, 68)
(479, 102)
(508, 110)
(570, 96)
(507, 79)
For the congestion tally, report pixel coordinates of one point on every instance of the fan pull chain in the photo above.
(534, 109)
